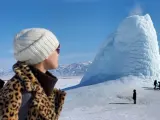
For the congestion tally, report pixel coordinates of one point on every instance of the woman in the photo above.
(30, 94)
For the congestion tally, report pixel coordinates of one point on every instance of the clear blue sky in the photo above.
(80, 25)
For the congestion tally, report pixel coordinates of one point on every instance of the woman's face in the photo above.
(52, 61)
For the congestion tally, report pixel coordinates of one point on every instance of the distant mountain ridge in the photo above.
(74, 69)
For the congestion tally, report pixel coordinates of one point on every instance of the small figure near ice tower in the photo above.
(155, 84)
(134, 96)
(159, 85)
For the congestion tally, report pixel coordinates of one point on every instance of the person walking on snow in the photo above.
(159, 85)
(30, 94)
(134, 96)
(155, 84)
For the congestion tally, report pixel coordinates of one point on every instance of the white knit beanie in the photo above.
(34, 45)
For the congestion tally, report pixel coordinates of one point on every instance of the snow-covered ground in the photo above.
(111, 100)
(64, 82)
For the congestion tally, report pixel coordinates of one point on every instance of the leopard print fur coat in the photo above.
(42, 107)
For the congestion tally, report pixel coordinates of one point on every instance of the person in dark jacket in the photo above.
(155, 84)
(1, 83)
(134, 96)
(159, 85)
